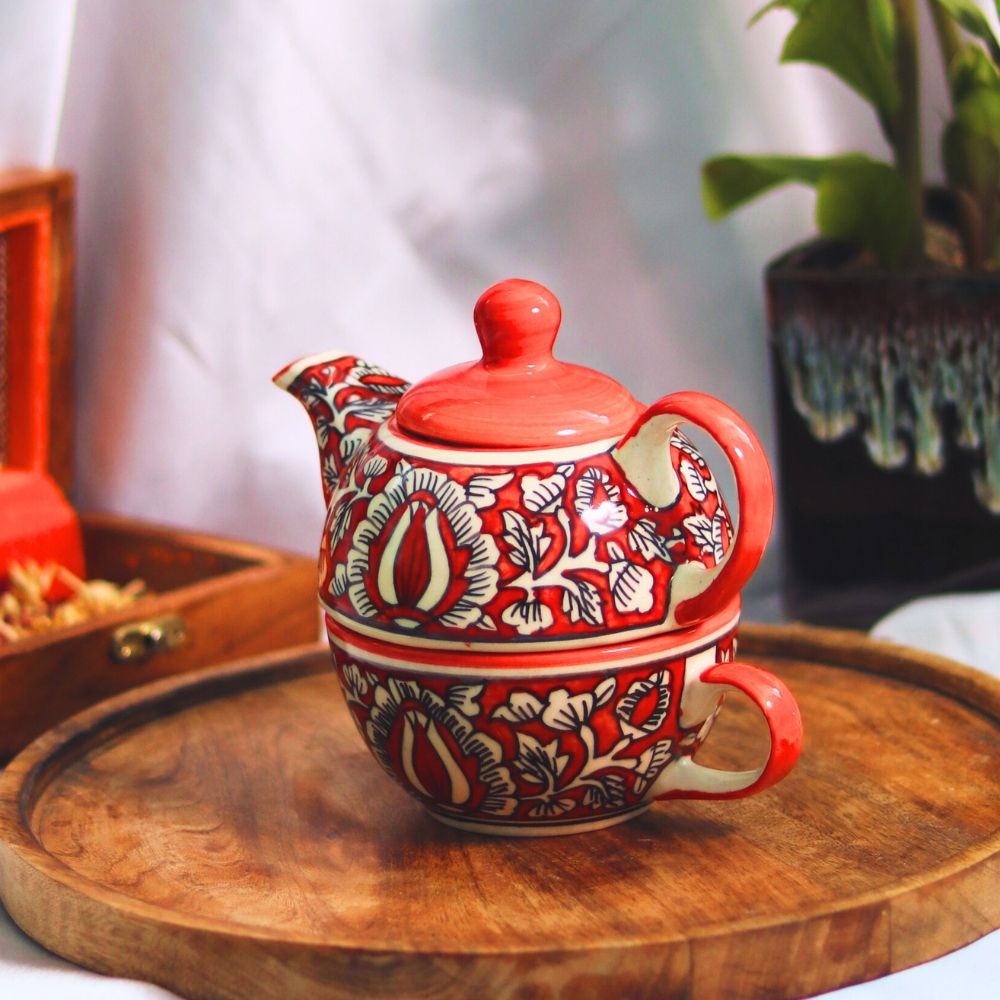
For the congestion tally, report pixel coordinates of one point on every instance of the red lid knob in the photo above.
(517, 395)
(517, 321)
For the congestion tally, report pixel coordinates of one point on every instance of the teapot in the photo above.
(524, 517)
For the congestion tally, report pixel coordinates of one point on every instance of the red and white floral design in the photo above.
(529, 750)
(428, 740)
(488, 553)
(420, 555)
(524, 549)
(531, 579)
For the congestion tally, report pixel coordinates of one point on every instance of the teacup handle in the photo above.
(684, 779)
(649, 440)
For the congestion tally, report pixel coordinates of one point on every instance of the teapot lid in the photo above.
(517, 395)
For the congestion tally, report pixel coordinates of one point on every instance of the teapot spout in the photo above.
(347, 399)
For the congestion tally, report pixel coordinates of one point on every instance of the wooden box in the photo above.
(211, 599)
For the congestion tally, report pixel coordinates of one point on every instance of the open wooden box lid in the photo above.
(210, 599)
(36, 315)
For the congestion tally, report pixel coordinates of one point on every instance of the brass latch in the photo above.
(138, 641)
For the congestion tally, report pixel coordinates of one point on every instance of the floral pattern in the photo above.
(644, 706)
(548, 550)
(432, 740)
(525, 751)
(484, 555)
(347, 400)
(421, 535)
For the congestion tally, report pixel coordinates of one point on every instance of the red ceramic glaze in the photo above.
(517, 395)
(535, 744)
(754, 485)
(37, 523)
(525, 515)
(489, 546)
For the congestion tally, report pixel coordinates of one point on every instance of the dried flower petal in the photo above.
(25, 609)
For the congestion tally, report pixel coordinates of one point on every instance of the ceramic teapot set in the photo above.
(531, 581)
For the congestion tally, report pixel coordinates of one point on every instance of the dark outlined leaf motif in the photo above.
(681, 443)
(542, 496)
(340, 516)
(645, 539)
(605, 791)
(331, 475)
(482, 490)
(529, 615)
(651, 761)
(324, 428)
(551, 807)
(582, 602)
(464, 698)
(699, 485)
(651, 718)
(604, 690)
(566, 712)
(351, 444)
(720, 527)
(631, 584)
(710, 534)
(374, 466)
(608, 515)
(540, 764)
(528, 543)
(356, 682)
(700, 527)
(520, 707)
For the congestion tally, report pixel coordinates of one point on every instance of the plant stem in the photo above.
(907, 131)
(970, 223)
(948, 39)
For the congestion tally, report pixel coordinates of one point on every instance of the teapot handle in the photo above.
(650, 435)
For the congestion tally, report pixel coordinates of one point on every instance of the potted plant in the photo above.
(885, 330)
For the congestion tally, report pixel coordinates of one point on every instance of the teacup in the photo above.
(547, 743)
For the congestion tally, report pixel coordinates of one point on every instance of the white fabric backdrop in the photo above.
(262, 180)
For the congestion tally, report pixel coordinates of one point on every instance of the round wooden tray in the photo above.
(227, 835)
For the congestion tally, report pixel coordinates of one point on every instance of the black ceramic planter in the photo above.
(888, 403)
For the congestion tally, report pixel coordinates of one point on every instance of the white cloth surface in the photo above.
(261, 181)
(964, 627)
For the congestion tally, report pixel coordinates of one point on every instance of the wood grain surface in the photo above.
(227, 835)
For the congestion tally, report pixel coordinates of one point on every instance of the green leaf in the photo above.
(795, 6)
(970, 147)
(839, 35)
(866, 202)
(969, 70)
(882, 16)
(729, 181)
(971, 17)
